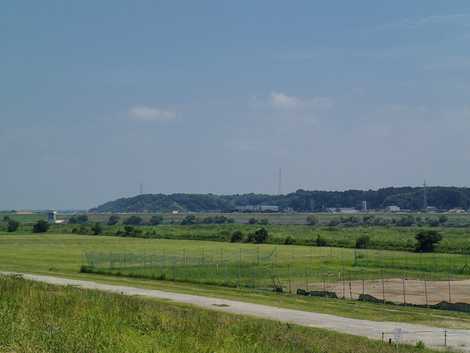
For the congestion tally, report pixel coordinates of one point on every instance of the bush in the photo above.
(427, 240)
(40, 227)
(156, 220)
(289, 240)
(261, 235)
(80, 219)
(362, 242)
(133, 221)
(129, 231)
(320, 241)
(263, 222)
(237, 236)
(420, 345)
(312, 220)
(189, 220)
(113, 220)
(12, 225)
(97, 229)
(443, 219)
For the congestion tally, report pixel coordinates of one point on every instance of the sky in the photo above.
(97, 97)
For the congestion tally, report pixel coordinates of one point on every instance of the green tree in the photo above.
(189, 220)
(362, 242)
(97, 228)
(133, 221)
(237, 236)
(40, 226)
(261, 235)
(113, 220)
(12, 225)
(156, 220)
(312, 220)
(443, 219)
(320, 241)
(427, 240)
(252, 220)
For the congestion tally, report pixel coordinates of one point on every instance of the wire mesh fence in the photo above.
(406, 278)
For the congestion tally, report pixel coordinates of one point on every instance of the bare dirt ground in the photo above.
(399, 290)
(457, 340)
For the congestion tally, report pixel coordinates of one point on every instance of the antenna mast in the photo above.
(279, 182)
(425, 197)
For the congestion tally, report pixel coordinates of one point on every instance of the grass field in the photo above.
(455, 239)
(62, 255)
(37, 318)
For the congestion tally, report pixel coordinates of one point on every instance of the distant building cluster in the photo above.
(258, 208)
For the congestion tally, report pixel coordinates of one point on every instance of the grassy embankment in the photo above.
(62, 255)
(42, 318)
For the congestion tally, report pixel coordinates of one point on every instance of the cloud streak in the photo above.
(146, 113)
(457, 19)
(282, 101)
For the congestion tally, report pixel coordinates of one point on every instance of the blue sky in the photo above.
(216, 96)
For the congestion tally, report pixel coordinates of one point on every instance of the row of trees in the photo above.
(303, 201)
(372, 220)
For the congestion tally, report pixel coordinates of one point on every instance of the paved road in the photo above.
(458, 340)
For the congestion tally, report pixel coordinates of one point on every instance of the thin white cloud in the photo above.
(279, 100)
(146, 113)
(457, 19)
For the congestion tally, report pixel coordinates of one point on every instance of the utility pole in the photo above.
(425, 197)
(279, 182)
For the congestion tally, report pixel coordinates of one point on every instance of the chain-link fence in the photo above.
(378, 276)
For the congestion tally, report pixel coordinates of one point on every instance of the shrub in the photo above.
(133, 221)
(97, 228)
(252, 221)
(443, 219)
(12, 225)
(406, 221)
(237, 236)
(289, 240)
(40, 227)
(263, 222)
(334, 222)
(312, 220)
(320, 241)
(156, 220)
(188, 220)
(426, 240)
(80, 219)
(362, 242)
(261, 235)
(420, 345)
(113, 220)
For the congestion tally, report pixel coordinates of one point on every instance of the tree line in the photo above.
(410, 198)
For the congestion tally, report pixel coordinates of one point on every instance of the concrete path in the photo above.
(457, 340)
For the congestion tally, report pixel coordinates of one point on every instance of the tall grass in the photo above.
(40, 318)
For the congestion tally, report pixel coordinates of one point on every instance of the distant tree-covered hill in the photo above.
(301, 200)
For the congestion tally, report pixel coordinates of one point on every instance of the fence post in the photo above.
(239, 268)
(383, 286)
(288, 275)
(350, 287)
(426, 290)
(404, 287)
(445, 338)
(450, 296)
